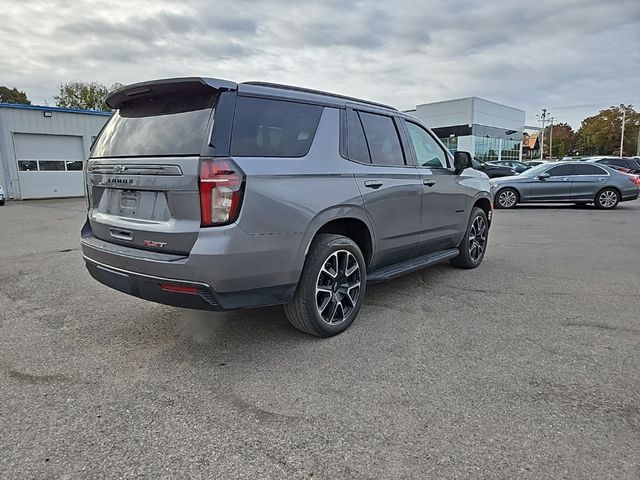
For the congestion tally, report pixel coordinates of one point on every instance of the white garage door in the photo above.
(49, 165)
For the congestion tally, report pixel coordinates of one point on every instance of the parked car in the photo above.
(590, 159)
(2, 196)
(627, 165)
(535, 163)
(208, 194)
(492, 170)
(519, 167)
(576, 182)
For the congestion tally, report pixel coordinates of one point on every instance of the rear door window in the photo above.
(273, 128)
(382, 139)
(588, 170)
(171, 124)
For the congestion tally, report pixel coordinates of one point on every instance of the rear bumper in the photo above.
(630, 196)
(204, 297)
(148, 287)
(227, 269)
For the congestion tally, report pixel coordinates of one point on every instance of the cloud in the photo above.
(549, 54)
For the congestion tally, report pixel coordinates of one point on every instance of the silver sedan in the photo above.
(566, 182)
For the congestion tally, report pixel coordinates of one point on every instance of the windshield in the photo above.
(174, 124)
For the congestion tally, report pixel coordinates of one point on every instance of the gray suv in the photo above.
(209, 194)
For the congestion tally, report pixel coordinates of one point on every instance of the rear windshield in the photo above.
(173, 124)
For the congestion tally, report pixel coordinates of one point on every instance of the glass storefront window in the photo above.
(451, 143)
(489, 149)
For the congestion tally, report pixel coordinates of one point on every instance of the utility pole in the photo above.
(624, 112)
(638, 143)
(551, 119)
(543, 119)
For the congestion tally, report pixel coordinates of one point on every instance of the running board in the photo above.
(398, 269)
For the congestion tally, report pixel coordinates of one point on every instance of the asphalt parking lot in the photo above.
(527, 367)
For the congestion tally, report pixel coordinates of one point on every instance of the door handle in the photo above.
(566, 179)
(375, 184)
(429, 183)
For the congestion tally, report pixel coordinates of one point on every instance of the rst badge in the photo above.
(153, 243)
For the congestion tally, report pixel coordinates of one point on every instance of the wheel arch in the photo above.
(608, 187)
(354, 228)
(348, 220)
(484, 202)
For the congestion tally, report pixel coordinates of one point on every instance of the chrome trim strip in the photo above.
(144, 275)
(134, 169)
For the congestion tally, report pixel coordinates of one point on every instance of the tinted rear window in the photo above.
(382, 139)
(273, 128)
(174, 124)
(588, 170)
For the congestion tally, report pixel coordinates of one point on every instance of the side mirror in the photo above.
(543, 175)
(461, 160)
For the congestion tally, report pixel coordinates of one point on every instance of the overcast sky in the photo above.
(572, 57)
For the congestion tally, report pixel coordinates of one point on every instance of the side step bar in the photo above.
(398, 269)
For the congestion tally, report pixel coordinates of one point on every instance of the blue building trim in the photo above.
(44, 108)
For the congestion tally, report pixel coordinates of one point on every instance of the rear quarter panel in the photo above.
(291, 198)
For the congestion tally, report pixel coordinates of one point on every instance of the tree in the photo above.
(600, 134)
(84, 95)
(13, 95)
(564, 139)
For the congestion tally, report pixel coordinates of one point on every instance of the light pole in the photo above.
(543, 119)
(551, 119)
(624, 112)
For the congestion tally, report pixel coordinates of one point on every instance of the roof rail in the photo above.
(318, 92)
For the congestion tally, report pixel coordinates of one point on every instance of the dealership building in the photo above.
(42, 149)
(486, 129)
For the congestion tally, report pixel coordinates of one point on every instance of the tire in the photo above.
(322, 306)
(507, 198)
(607, 199)
(474, 244)
(1, 203)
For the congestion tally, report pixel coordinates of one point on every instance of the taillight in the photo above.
(85, 180)
(221, 188)
(635, 179)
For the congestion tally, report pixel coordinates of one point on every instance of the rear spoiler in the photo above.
(123, 96)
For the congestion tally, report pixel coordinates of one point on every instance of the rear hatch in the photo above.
(142, 175)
